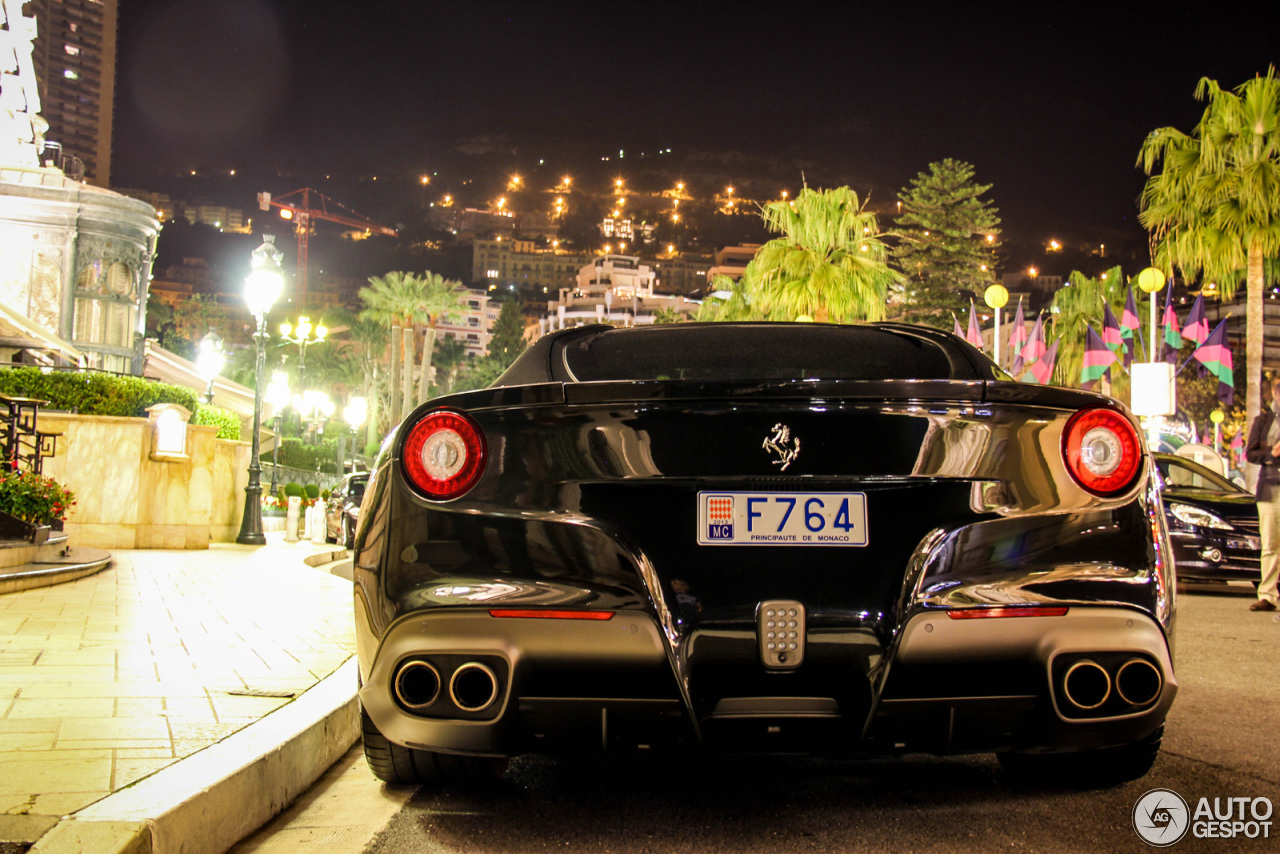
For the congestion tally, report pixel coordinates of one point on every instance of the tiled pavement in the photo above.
(108, 679)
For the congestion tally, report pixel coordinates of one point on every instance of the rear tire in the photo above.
(398, 765)
(1086, 769)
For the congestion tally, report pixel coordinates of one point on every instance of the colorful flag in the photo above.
(1197, 328)
(1129, 324)
(1041, 370)
(1112, 336)
(1033, 348)
(1172, 337)
(1018, 337)
(1215, 355)
(958, 331)
(974, 335)
(1098, 359)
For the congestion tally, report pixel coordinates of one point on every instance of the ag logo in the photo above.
(1161, 817)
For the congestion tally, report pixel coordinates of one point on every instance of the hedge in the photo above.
(227, 422)
(94, 393)
(320, 457)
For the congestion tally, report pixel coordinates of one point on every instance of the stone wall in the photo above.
(128, 497)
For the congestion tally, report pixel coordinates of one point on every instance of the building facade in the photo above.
(75, 65)
(523, 265)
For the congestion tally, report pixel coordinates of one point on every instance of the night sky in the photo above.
(1049, 104)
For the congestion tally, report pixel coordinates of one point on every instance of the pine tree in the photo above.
(947, 243)
(507, 341)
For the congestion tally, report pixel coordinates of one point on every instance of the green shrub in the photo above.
(227, 422)
(294, 488)
(93, 393)
(320, 457)
(313, 491)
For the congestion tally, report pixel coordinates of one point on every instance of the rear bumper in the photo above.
(994, 684)
(954, 686)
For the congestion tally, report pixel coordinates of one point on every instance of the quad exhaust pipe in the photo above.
(417, 684)
(1138, 682)
(473, 687)
(1088, 686)
(420, 686)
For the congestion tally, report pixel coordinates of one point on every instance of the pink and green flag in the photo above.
(1098, 359)
(1215, 355)
(1032, 350)
(1197, 328)
(1018, 337)
(1041, 370)
(974, 334)
(1112, 335)
(1172, 337)
(1129, 325)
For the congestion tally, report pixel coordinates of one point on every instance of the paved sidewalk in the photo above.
(107, 680)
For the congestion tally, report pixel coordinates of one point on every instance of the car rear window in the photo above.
(768, 351)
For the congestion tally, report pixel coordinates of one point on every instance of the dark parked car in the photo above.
(774, 537)
(342, 510)
(1213, 524)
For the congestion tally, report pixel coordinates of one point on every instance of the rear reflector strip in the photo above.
(544, 614)
(981, 613)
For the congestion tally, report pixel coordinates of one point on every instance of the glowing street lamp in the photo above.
(261, 290)
(210, 361)
(996, 296)
(303, 334)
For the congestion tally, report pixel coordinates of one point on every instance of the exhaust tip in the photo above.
(473, 687)
(1138, 682)
(1086, 685)
(417, 684)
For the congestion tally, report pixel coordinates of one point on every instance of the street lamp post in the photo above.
(261, 290)
(303, 334)
(996, 296)
(209, 361)
(278, 396)
(354, 414)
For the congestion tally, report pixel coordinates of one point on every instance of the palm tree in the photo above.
(449, 353)
(441, 299)
(829, 263)
(397, 300)
(733, 303)
(370, 340)
(1079, 303)
(383, 299)
(1214, 209)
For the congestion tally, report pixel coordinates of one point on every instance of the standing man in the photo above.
(1264, 450)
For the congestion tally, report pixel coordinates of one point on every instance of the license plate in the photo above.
(782, 519)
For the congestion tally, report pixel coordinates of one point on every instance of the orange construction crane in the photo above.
(303, 206)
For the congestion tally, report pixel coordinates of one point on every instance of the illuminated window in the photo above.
(69, 74)
(71, 50)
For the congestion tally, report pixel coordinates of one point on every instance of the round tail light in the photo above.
(1102, 450)
(444, 454)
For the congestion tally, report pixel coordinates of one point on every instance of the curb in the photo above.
(207, 802)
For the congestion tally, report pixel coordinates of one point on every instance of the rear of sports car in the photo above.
(763, 537)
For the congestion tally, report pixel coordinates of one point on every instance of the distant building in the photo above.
(75, 64)
(732, 261)
(522, 265)
(220, 217)
(475, 326)
(683, 273)
(615, 289)
(472, 223)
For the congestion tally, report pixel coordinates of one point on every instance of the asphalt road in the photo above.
(1221, 741)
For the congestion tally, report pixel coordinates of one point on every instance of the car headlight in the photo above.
(1189, 514)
